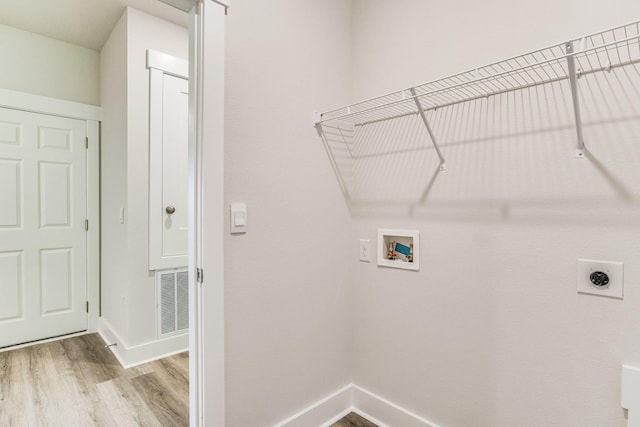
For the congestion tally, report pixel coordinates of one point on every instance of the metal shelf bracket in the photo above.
(426, 124)
(573, 81)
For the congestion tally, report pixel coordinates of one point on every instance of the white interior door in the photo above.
(175, 178)
(43, 206)
(168, 161)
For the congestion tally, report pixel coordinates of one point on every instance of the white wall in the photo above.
(113, 183)
(287, 292)
(143, 32)
(491, 331)
(127, 284)
(44, 66)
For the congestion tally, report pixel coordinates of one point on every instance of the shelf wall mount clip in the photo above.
(573, 81)
(443, 166)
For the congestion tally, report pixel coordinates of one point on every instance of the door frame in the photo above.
(91, 115)
(206, 204)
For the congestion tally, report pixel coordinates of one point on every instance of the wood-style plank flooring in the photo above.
(78, 382)
(353, 420)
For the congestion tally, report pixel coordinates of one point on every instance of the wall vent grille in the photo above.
(172, 301)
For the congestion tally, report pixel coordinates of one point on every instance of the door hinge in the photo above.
(86, 225)
(199, 275)
(87, 306)
(86, 139)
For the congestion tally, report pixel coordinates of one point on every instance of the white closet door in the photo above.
(168, 171)
(42, 226)
(175, 179)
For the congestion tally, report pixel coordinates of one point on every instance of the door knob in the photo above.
(170, 210)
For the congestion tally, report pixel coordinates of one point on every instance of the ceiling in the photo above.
(85, 23)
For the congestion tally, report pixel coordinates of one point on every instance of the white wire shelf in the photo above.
(358, 137)
(602, 51)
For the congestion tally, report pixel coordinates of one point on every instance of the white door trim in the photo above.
(206, 247)
(206, 220)
(52, 106)
(188, 5)
(168, 64)
(91, 114)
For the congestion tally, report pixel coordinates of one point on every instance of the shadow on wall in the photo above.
(510, 157)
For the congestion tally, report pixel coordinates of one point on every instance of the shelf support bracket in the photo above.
(426, 124)
(573, 81)
(334, 164)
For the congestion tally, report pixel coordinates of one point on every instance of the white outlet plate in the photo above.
(615, 271)
(365, 250)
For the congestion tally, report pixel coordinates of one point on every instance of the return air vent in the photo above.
(172, 301)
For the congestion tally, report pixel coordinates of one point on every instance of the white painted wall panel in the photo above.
(143, 32)
(114, 175)
(128, 285)
(287, 289)
(44, 66)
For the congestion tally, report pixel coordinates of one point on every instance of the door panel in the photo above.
(9, 133)
(10, 199)
(43, 239)
(57, 139)
(57, 280)
(11, 285)
(55, 192)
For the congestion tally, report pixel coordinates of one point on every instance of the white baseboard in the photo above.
(130, 356)
(353, 398)
(319, 413)
(380, 411)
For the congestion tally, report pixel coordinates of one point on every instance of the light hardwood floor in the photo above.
(353, 420)
(77, 382)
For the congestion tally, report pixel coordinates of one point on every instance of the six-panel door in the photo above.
(42, 226)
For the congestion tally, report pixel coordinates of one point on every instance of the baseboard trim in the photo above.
(325, 409)
(130, 356)
(353, 398)
(384, 412)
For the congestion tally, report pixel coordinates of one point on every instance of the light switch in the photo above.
(238, 218)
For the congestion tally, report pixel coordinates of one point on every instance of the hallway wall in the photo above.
(128, 287)
(43, 66)
(491, 331)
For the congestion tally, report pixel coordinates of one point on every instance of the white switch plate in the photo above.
(614, 271)
(365, 250)
(238, 217)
